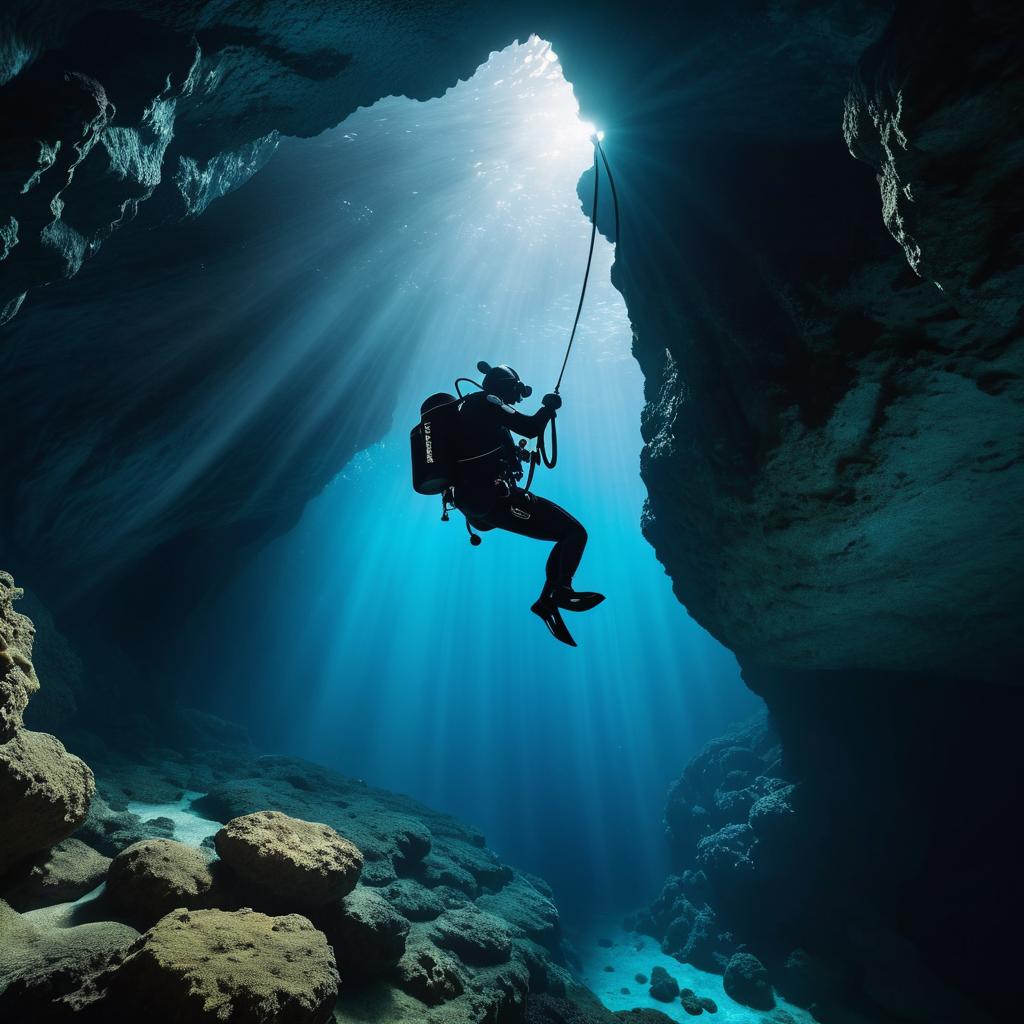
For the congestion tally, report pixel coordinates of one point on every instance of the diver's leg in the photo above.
(520, 512)
(570, 540)
(552, 522)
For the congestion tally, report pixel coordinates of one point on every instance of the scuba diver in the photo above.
(488, 468)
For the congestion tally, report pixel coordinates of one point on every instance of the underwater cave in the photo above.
(282, 739)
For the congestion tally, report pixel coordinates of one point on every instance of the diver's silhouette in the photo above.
(487, 473)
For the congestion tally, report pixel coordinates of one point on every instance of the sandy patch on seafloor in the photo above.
(628, 961)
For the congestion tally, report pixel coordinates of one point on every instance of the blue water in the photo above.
(372, 637)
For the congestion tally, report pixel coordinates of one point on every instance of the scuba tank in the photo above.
(433, 441)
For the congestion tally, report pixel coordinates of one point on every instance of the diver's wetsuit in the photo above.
(486, 490)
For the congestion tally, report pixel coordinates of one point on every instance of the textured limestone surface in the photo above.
(437, 929)
(44, 794)
(58, 875)
(18, 680)
(301, 861)
(39, 966)
(213, 965)
(153, 877)
(44, 790)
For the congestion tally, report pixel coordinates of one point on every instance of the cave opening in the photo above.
(389, 648)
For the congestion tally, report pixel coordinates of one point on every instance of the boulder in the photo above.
(211, 966)
(44, 794)
(430, 975)
(664, 987)
(62, 874)
(746, 981)
(367, 934)
(691, 1002)
(41, 965)
(476, 937)
(155, 876)
(18, 679)
(300, 861)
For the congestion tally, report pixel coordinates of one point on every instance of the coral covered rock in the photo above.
(477, 938)
(17, 676)
(663, 986)
(155, 876)
(40, 965)
(44, 794)
(295, 860)
(63, 873)
(414, 901)
(746, 981)
(367, 934)
(428, 974)
(212, 966)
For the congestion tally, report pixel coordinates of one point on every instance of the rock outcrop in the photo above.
(44, 790)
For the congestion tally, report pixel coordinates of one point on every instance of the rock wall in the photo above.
(44, 791)
(834, 425)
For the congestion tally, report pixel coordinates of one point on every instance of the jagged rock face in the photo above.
(44, 791)
(824, 425)
(18, 680)
(833, 443)
(107, 105)
(118, 120)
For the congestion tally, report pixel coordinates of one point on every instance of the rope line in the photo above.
(586, 275)
(540, 452)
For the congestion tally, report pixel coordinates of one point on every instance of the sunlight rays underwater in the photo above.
(391, 648)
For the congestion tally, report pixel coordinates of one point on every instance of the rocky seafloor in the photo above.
(208, 882)
(205, 881)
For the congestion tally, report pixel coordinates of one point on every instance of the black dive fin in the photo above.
(552, 618)
(577, 600)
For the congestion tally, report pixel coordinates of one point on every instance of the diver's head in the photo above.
(504, 382)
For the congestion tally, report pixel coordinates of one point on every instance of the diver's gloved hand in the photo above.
(551, 401)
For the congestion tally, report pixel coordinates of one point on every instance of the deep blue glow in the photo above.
(378, 640)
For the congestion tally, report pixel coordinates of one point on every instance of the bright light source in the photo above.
(600, 136)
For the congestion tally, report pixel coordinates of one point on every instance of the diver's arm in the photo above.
(518, 423)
